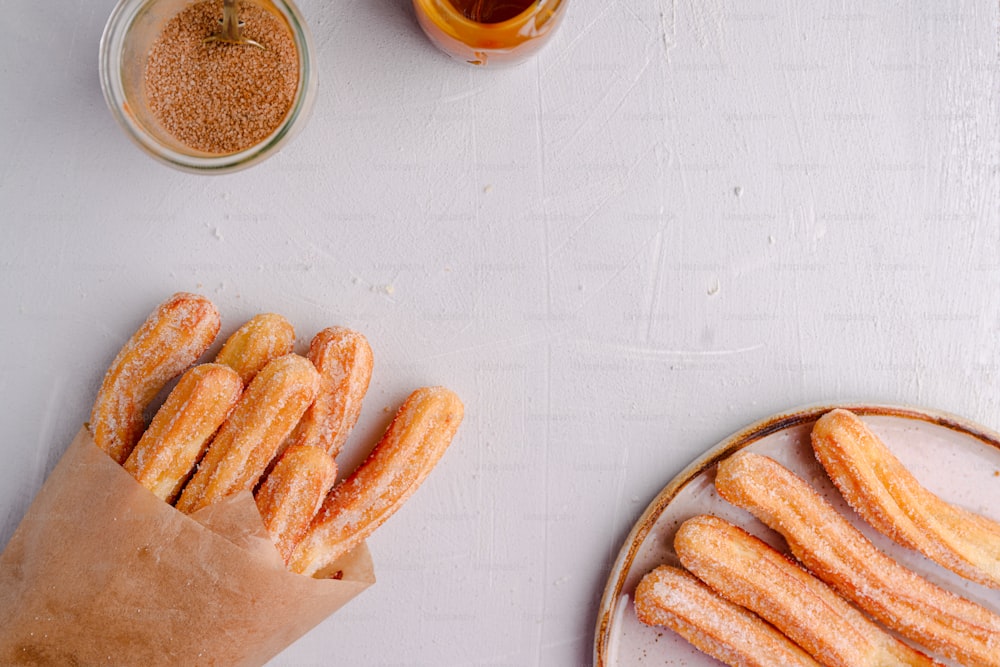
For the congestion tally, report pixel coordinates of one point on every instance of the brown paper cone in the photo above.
(102, 572)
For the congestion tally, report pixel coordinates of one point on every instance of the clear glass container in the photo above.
(486, 44)
(132, 29)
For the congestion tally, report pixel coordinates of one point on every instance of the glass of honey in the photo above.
(489, 33)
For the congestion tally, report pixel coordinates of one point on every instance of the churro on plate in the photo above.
(963, 617)
(748, 572)
(179, 433)
(673, 598)
(417, 437)
(889, 497)
(839, 554)
(171, 339)
(253, 434)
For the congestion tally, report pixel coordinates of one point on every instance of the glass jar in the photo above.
(489, 32)
(131, 31)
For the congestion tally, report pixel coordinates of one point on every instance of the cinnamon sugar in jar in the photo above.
(207, 107)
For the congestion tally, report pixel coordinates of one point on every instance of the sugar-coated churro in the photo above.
(293, 492)
(344, 361)
(879, 488)
(836, 552)
(171, 339)
(166, 454)
(750, 573)
(252, 435)
(675, 599)
(261, 338)
(417, 437)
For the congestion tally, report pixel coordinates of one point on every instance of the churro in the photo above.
(748, 572)
(344, 361)
(675, 599)
(879, 488)
(171, 339)
(252, 435)
(261, 338)
(836, 552)
(417, 437)
(176, 438)
(293, 492)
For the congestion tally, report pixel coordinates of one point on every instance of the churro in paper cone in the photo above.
(102, 572)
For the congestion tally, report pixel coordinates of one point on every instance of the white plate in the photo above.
(958, 460)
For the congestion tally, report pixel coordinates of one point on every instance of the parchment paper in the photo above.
(102, 572)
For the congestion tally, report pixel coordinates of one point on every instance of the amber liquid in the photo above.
(491, 11)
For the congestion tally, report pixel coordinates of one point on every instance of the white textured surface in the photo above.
(680, 217)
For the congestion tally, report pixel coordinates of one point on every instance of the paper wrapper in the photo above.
(102, 572)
